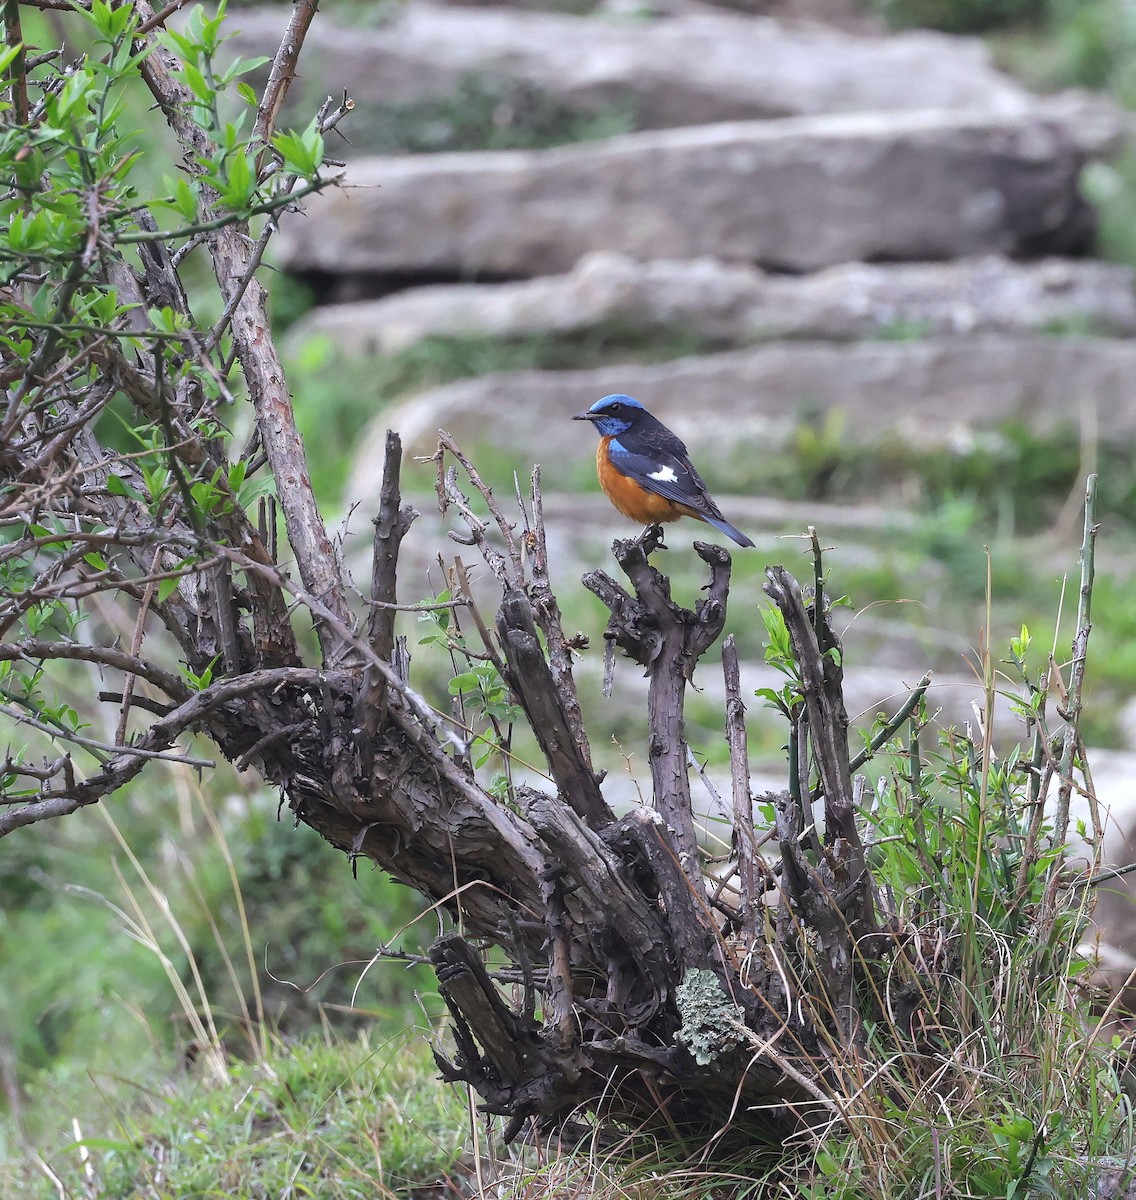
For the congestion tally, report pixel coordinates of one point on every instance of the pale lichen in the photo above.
(709, 1017)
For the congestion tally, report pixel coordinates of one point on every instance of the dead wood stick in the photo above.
(531, 680)
(546, 610)
(668, 640)
(742, 797)
(391, 526)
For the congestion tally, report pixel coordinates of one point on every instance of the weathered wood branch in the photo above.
(546, 610)
(668, 640)
(741, 796)
(531, 679)
(391, 525)
(834, 896)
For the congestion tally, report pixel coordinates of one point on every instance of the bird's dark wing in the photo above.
(657, 460)
(667, 474)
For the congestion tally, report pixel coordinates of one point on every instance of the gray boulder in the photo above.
(740, 404)
(691, 68)
(736, 305)
(798, 194)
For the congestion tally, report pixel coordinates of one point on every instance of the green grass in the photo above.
(330, 1118)
(102, 928)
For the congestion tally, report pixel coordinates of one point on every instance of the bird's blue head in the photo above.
(612, 415)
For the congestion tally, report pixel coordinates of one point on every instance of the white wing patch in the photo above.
(664, 475)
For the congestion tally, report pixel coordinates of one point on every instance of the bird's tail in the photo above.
(728, 529)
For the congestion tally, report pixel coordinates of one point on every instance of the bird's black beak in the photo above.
(584, 416)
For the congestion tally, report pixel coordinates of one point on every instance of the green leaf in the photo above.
(185, 48)
(8, 56)
(302, 152)
(110, 1145)
(240, 183)
(117, 486)
(184, 200)
(242, 66)
(198, 84)
(237, 475)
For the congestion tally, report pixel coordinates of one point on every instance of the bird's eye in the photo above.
(615, 408)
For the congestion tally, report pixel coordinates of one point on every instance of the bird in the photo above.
(644, 468)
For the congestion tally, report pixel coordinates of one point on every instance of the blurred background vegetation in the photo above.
(196, 883)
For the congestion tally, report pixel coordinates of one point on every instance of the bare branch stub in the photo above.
(546, 611)
(742, 798)
(283, 70)
(532, 682)
(835, 896)
(391, 525)
(668, 640)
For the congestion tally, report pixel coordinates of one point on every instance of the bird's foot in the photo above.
(651, 539)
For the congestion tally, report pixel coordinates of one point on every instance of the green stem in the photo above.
(257, 210)
(889, 730)
(1072, 712)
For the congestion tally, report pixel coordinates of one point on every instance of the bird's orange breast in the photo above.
(632, 499)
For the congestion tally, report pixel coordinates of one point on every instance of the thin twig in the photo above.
(1072, 711)
(94, 745)
(742, 796)
(160, 17)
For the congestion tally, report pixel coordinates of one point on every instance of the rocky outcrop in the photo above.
(737, 304)
(740, 404)
(797, 195)
(688, 69)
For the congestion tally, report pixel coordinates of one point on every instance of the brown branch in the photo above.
(39, 649)
(15, 40)
(160, 17)
(135, 647)
(532, 682)
(690, 926)
(668, 641)
(283, 70)
(509, 574)
(129, 760)
(391, 526)
(835, 897)
(742, 797)
(547, 613)
(604, 897)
